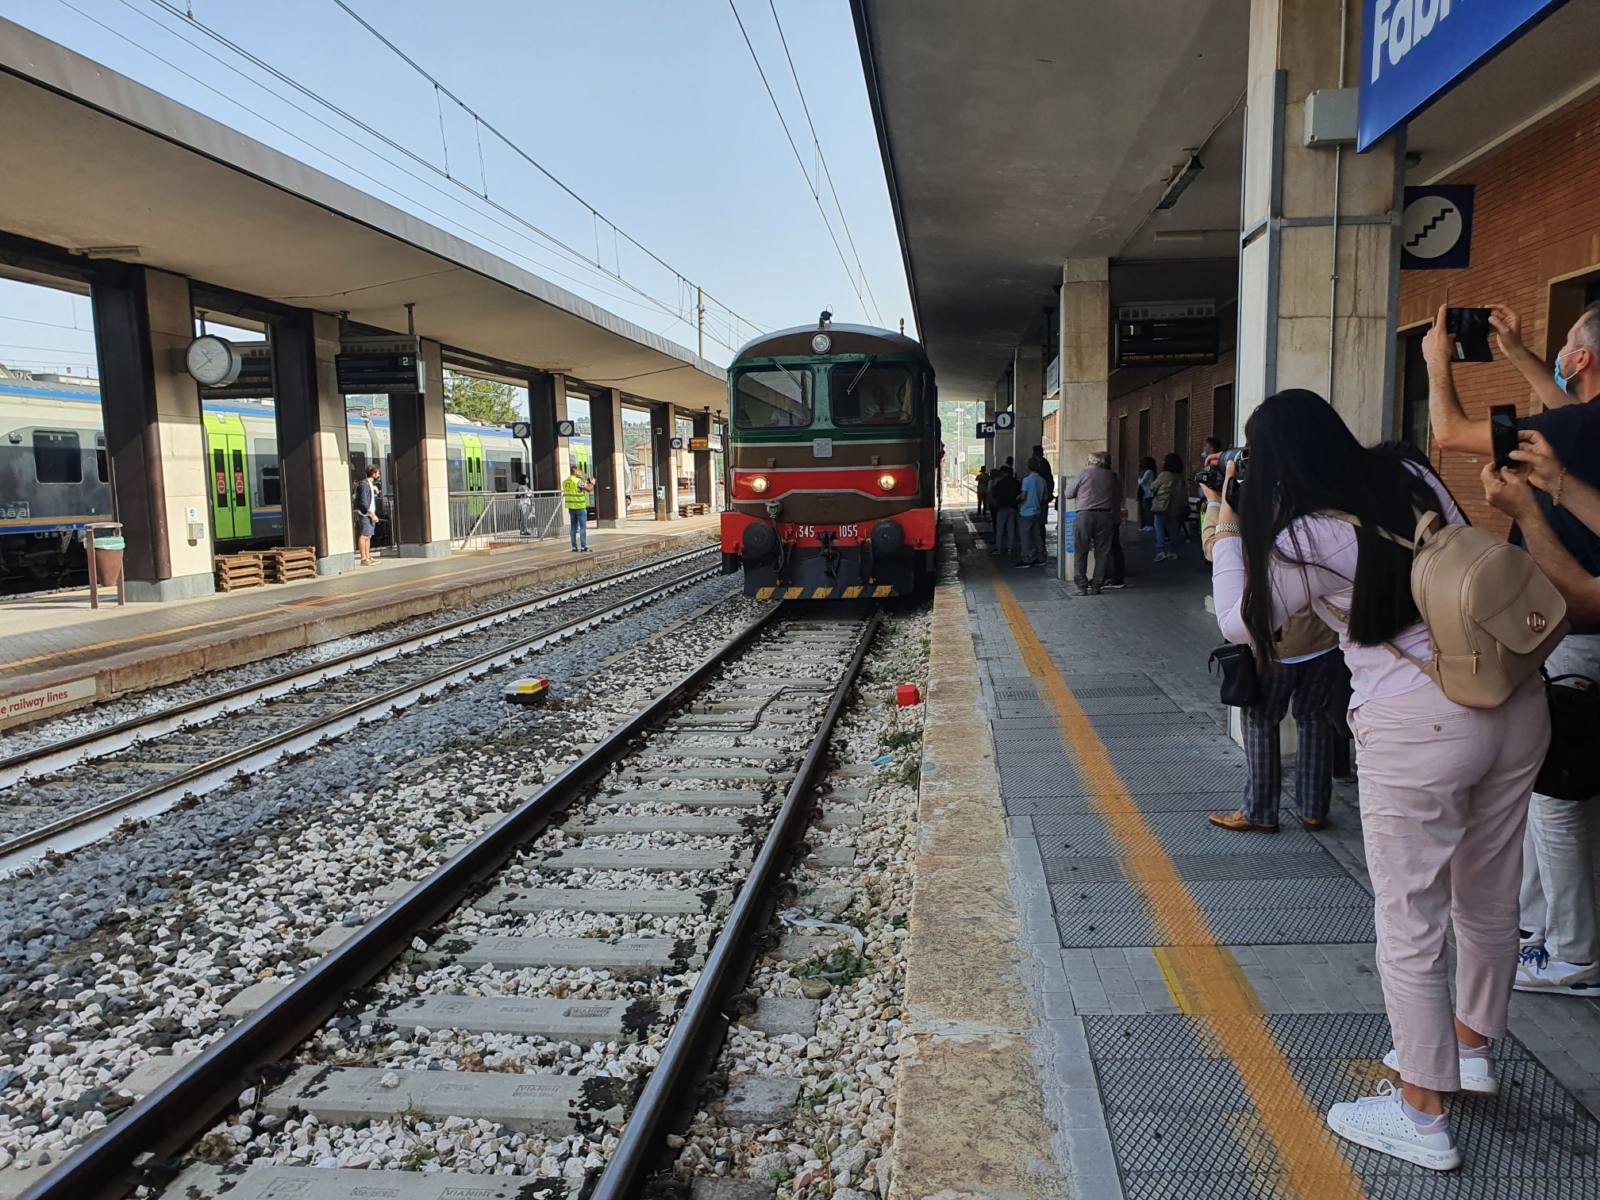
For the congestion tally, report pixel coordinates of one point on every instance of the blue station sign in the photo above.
(1415, 49)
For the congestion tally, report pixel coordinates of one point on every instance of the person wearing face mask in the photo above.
(1560, 952)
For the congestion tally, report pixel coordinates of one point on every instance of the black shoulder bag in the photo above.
(1571, 769)
(1241, 686)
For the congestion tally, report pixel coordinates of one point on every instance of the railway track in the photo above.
(59, 797)
(710, 788)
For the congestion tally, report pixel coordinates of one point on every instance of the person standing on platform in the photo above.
(1005, 493)
(1306, 670)
(1049, 496)
(575, 491)
(1562, 953)
(1095, 490)
(1168, 500)
(1147, 479)
(1030, 516)
(367, 494)
(1443, 788)
(982, 484)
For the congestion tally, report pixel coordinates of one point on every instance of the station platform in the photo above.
(1172, 1007)
(59, 654)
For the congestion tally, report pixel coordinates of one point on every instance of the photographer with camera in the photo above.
(1306, 670)
(1561, 953)
(1327, 523)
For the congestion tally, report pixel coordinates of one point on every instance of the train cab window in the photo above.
(56, 457)
(863, 394)
(773, 398)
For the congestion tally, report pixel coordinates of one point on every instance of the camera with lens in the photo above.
(1215, 471)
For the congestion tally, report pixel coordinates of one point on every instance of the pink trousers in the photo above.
(1444, 797)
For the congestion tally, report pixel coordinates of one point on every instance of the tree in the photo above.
(479, 399)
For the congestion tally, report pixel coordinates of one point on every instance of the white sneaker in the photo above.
(1378, 1123)
(1538, 972)
(1477, 1074)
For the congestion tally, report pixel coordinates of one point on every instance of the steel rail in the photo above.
(169, 1118)
(100, 742)
(90, 824)
(704, 1015)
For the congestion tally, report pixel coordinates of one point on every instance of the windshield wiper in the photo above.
(851, 390)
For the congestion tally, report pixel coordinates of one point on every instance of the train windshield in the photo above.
(865, 394)
(773, 397)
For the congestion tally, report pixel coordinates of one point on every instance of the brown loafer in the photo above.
(1312, 824)
(1238, 821)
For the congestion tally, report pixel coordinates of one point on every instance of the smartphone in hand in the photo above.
(1503, 433)
(1469, 331)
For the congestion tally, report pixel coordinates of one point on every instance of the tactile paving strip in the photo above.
(1183, 1127)
(1021, 781)
(1178, 833)
(1199, 866)
(1195, 802)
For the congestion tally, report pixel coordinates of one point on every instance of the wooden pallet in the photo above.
(289, 563)
(236, 571)
(693, 509)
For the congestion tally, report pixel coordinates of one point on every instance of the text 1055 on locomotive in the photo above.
(832, 465)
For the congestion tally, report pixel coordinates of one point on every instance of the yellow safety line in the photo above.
(1204, 979)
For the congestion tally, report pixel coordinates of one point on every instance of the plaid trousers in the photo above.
(1319, 689)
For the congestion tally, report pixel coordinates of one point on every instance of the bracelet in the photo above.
(1555, 496)
(1229, 527)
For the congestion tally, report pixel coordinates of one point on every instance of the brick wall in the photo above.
(1160, 396)
(1536, 224)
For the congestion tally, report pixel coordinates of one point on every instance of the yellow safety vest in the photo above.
(574, 492)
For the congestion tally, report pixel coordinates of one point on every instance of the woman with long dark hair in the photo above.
(1444, 789)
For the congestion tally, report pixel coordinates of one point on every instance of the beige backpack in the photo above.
(1493, 615)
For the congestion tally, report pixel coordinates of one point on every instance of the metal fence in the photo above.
(478, 519)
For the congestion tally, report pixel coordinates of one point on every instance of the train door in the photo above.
(472, 466)
(228, 463)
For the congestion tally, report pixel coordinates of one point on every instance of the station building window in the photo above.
(56, 457)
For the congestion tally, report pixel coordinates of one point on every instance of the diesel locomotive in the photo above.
(833, 464)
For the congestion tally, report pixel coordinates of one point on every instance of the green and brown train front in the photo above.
(834, 448)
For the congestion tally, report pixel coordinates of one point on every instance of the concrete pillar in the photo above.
(421, 485)
(610, 463)
(155, 440)
(1085, 368)
(547, 405)
(702, 461)
(313, 439)
(1027, 402)
(1288, 267)
(663, 427)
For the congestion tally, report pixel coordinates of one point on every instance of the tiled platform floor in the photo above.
(1145, 1092)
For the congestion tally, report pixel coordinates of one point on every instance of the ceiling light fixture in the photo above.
(1180, 182)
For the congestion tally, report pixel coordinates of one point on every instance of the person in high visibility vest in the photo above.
(575, 491)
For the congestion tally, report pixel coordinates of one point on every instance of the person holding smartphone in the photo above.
(1560, 952)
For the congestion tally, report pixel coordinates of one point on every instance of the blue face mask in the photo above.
(1564, 382)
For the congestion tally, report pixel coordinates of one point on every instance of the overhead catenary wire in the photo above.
(816, 196)
(512, 145)
(822, 163)
(575, 257)
(546, 240)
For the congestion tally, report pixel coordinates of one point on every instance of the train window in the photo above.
(862, 394)
(773, 398)
(271, 486)
(102, 460)
(55, 457)
(502, 481)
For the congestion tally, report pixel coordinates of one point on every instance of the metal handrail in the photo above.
(479, 517)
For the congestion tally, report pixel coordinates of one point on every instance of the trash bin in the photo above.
(108, 560)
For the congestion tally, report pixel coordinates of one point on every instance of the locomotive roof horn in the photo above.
(825, 319)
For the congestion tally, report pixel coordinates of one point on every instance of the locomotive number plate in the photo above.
(849, 531)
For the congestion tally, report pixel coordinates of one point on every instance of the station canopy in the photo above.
(96, 160)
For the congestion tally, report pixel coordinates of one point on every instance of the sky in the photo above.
(651, 111)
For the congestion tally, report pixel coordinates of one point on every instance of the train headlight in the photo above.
(886, 482)
(758, 484)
